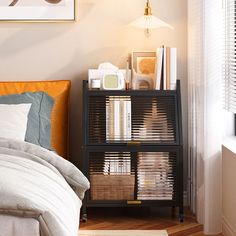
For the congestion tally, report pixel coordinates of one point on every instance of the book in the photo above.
(164, 67)
(110, 119)
(168, 68)
(173, 68)
(159, 68)
(117, 164)
(117, 120)
(127, 119)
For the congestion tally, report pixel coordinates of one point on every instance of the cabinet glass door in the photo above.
(131, 176)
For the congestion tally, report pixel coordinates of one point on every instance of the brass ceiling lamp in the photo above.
(148, 21)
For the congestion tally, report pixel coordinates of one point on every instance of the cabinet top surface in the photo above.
(130, 92)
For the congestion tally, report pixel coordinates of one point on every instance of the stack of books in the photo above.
(118, 118)
(166, 68)
(117, 164)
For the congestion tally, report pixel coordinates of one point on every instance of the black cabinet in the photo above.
(133, 148)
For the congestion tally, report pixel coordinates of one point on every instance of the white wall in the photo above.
(229, 191)
(48, 51)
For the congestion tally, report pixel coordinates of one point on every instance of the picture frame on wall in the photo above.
(143, 69)
(37, 10)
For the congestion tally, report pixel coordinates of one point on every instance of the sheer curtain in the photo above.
(205, 109)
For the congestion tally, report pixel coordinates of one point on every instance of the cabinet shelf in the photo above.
(136, 165)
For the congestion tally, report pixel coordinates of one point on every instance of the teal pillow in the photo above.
(39, 117)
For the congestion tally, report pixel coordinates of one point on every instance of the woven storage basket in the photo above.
(112, 187)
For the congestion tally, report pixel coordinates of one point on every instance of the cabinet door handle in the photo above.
(134, 202)
(133, 143)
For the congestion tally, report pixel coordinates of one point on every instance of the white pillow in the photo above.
(13, 120)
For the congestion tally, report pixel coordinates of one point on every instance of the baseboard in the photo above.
(227, 229)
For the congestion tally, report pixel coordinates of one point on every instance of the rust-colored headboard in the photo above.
(60, 91)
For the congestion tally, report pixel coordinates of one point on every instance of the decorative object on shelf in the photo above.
(113, 81)
(37, 10)
(108, 66)
(148, 21)
(143, 69)
(112, 187)
(128, 76)
(110, 76)
(140, 81)
(95, 84)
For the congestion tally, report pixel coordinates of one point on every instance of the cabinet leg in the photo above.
(84, 218)
(181, 214)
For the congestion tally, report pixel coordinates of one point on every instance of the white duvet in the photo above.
(36, 183)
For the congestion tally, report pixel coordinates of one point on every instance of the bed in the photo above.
(40, 191)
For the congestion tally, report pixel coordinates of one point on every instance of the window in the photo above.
(230, 57)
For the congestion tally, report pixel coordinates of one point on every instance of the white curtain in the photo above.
(205, 109)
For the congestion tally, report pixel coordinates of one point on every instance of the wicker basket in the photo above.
(112, 187)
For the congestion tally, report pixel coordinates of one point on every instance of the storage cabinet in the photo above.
(132, 148)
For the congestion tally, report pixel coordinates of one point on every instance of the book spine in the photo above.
(122, 118)
(159, 68)
(108, 120)
(164, 67)
(173, 68)
(128, 120)
(117, 122)
(168, 68)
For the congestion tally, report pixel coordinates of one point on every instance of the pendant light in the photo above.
(148, 21)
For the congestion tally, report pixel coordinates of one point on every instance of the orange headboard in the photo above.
(60, 91)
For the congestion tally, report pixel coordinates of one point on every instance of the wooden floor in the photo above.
(142, 219)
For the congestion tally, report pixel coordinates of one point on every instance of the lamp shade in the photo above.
(149, 22)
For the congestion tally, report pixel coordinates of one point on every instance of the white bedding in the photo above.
(18, 226)
(36, 183)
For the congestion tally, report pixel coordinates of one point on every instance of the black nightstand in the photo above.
(142, 166)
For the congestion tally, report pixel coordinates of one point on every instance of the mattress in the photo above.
(18, 226)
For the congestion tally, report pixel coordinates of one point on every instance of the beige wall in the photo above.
(41, 51)
(229, 191)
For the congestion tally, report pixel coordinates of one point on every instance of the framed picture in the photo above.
(143, 69)
(37, 10)
(144, 62)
